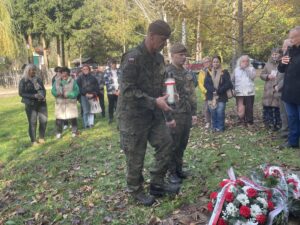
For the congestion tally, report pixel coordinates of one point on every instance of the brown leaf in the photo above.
(185, 220)
(107, 219)
(154, 221)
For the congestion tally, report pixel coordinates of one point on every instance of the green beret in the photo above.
(160, 27)
(178, 48)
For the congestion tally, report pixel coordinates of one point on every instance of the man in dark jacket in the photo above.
(140, 112)
(290, 65)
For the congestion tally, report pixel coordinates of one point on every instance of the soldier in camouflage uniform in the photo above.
(184, 112)
(140, 110)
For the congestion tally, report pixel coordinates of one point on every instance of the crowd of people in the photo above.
(67, 90)
(137, 93)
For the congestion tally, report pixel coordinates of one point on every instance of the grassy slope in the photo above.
(82, 181)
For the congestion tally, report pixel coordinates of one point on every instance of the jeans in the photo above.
(88, 118)
(293, 113)
(112, 105)
(34, 112)
(218, 116)
(284, 119)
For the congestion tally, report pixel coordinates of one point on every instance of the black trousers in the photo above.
(36, 112)
(249, 102)
(112, 105)
(271, 117)
(102, 104)
(60, 123)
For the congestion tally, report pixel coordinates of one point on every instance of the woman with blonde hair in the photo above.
(243, 83)
(33, 93)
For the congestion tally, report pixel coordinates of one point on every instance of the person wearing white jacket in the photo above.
(243, 83)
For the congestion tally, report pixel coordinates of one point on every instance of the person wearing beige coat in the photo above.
(65, 90)
(270, 101)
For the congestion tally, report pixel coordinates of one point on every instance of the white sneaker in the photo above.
(207, 125)
(58, 136)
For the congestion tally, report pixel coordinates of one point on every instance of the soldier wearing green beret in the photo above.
(140, 112)
(184, 113)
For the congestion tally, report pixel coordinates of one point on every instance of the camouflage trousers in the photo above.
(180, 136)
(134, 145)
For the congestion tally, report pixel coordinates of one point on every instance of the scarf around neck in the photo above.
(216, 77)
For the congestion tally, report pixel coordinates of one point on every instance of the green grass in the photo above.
(82, 181)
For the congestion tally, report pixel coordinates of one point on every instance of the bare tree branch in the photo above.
(258, 19)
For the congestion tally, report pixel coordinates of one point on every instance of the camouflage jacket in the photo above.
(186, 90)
(141, 82)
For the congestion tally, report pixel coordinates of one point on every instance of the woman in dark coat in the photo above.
(89, 89)
(217, 83)
(33, 93)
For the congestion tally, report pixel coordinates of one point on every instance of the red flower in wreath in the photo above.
(292, 181)
(270, 205)
(251, 192)
(229, 197)
(276, 173)
(213, 195)
(261, 219)
(245, 211)
(240, 183)
(221, 221)
(224, 182)
(269, 194)
(210, 206)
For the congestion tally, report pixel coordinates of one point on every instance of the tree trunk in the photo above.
(183, 27)
(63, 50)
(80, 58)
(45, 51)
(58, 50)
(234, 35)
(183, 32)
(198, 36)
(29, 41)
(168, 41)
(241, 28)
(68, 56)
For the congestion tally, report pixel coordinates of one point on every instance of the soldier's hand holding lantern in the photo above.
(161, 103)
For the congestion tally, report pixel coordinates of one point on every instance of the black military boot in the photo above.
(142, 198)
(174, 179)
(166, 188)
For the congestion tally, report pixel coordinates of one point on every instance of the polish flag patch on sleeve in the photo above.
(131, 60)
